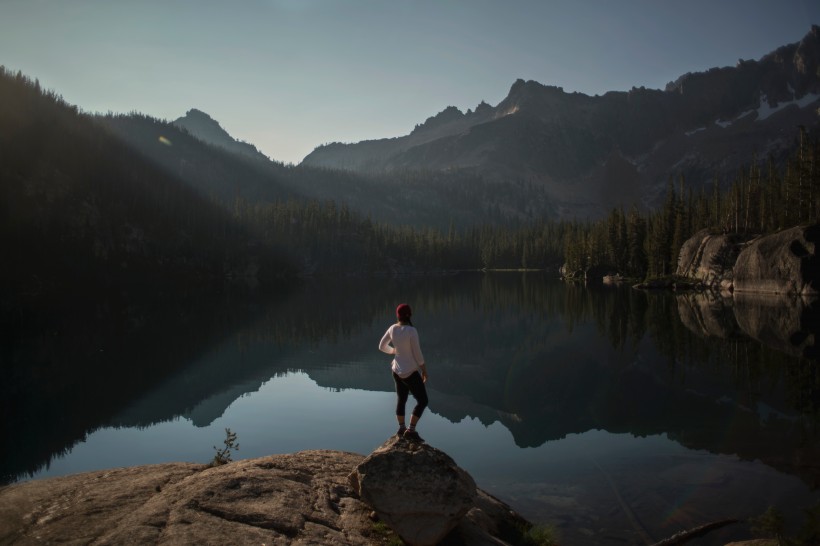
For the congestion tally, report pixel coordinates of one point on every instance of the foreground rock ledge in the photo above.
(418, 490)
(300, 498)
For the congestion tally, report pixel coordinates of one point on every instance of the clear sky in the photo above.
(289, 75)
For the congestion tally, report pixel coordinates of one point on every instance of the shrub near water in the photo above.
(223, 455)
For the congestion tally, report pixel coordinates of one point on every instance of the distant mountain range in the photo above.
(589, 153)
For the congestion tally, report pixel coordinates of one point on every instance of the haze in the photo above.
(289, 75)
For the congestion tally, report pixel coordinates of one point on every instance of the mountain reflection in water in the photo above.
(650, 404)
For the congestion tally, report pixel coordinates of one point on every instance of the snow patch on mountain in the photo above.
(765, 110)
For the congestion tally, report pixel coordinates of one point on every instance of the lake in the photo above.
(615, 415)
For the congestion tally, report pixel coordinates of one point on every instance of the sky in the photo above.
(290, 75)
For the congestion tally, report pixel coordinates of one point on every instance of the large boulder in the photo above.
(782, 263)
(710, 257)
(416, 489)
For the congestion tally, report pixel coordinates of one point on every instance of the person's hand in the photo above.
(424, 375)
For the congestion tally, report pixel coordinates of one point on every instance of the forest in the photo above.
(87, 200)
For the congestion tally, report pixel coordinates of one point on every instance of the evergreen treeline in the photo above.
(131, 198)
(77, 206)
(761, 199)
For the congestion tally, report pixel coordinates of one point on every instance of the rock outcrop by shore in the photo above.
(710, 258)
(295, 499)
(418, 490)
(785, 262)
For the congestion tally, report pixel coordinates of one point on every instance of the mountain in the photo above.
(420, 198)
(83, 208)
(205, 128)
(589, 153)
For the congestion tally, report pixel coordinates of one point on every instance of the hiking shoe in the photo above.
(412, 435)
(401, 431)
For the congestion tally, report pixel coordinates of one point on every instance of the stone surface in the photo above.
(710, 257)
(785, 262)
(416, 489)
(297, 499)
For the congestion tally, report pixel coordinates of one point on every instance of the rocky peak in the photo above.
(534, 99)
(483, 108)
(449, 114)
(208, 130)
(198, 122)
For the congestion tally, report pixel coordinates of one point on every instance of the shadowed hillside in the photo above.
(81, 207)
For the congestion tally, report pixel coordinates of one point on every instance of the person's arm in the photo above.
(416, 348)
(384, 344)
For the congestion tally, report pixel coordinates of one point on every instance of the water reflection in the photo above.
(516, 361)
(788, 324)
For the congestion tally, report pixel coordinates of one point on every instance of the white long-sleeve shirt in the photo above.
(405, 348)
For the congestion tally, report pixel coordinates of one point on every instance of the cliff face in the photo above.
(301, 498)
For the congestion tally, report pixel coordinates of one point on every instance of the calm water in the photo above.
(599, 411)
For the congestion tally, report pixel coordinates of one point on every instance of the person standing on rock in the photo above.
(409, 371)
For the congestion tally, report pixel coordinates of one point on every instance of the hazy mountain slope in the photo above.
(590, 153)
(79, 206)
(403, 196)
(206, 129)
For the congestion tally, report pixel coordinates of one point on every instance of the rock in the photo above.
(296, 499)
(756, 542)
(283, 499)
(710, 258)
(614, 279)
(782, 263)
(418, 490)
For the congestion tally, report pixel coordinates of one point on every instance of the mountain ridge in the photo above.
(700, 126)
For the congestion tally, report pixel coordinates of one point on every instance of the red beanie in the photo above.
(403, 311)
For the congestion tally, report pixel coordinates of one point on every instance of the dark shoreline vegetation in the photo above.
(102, 201)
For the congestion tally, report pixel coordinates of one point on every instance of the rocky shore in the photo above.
(310, 497)
(403, 493)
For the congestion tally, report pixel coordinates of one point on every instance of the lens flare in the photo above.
(163, 140)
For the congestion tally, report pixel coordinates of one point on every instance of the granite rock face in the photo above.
(416, 489)
(283, 499)
(296, 499)
(710, 257)
(785, 262)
